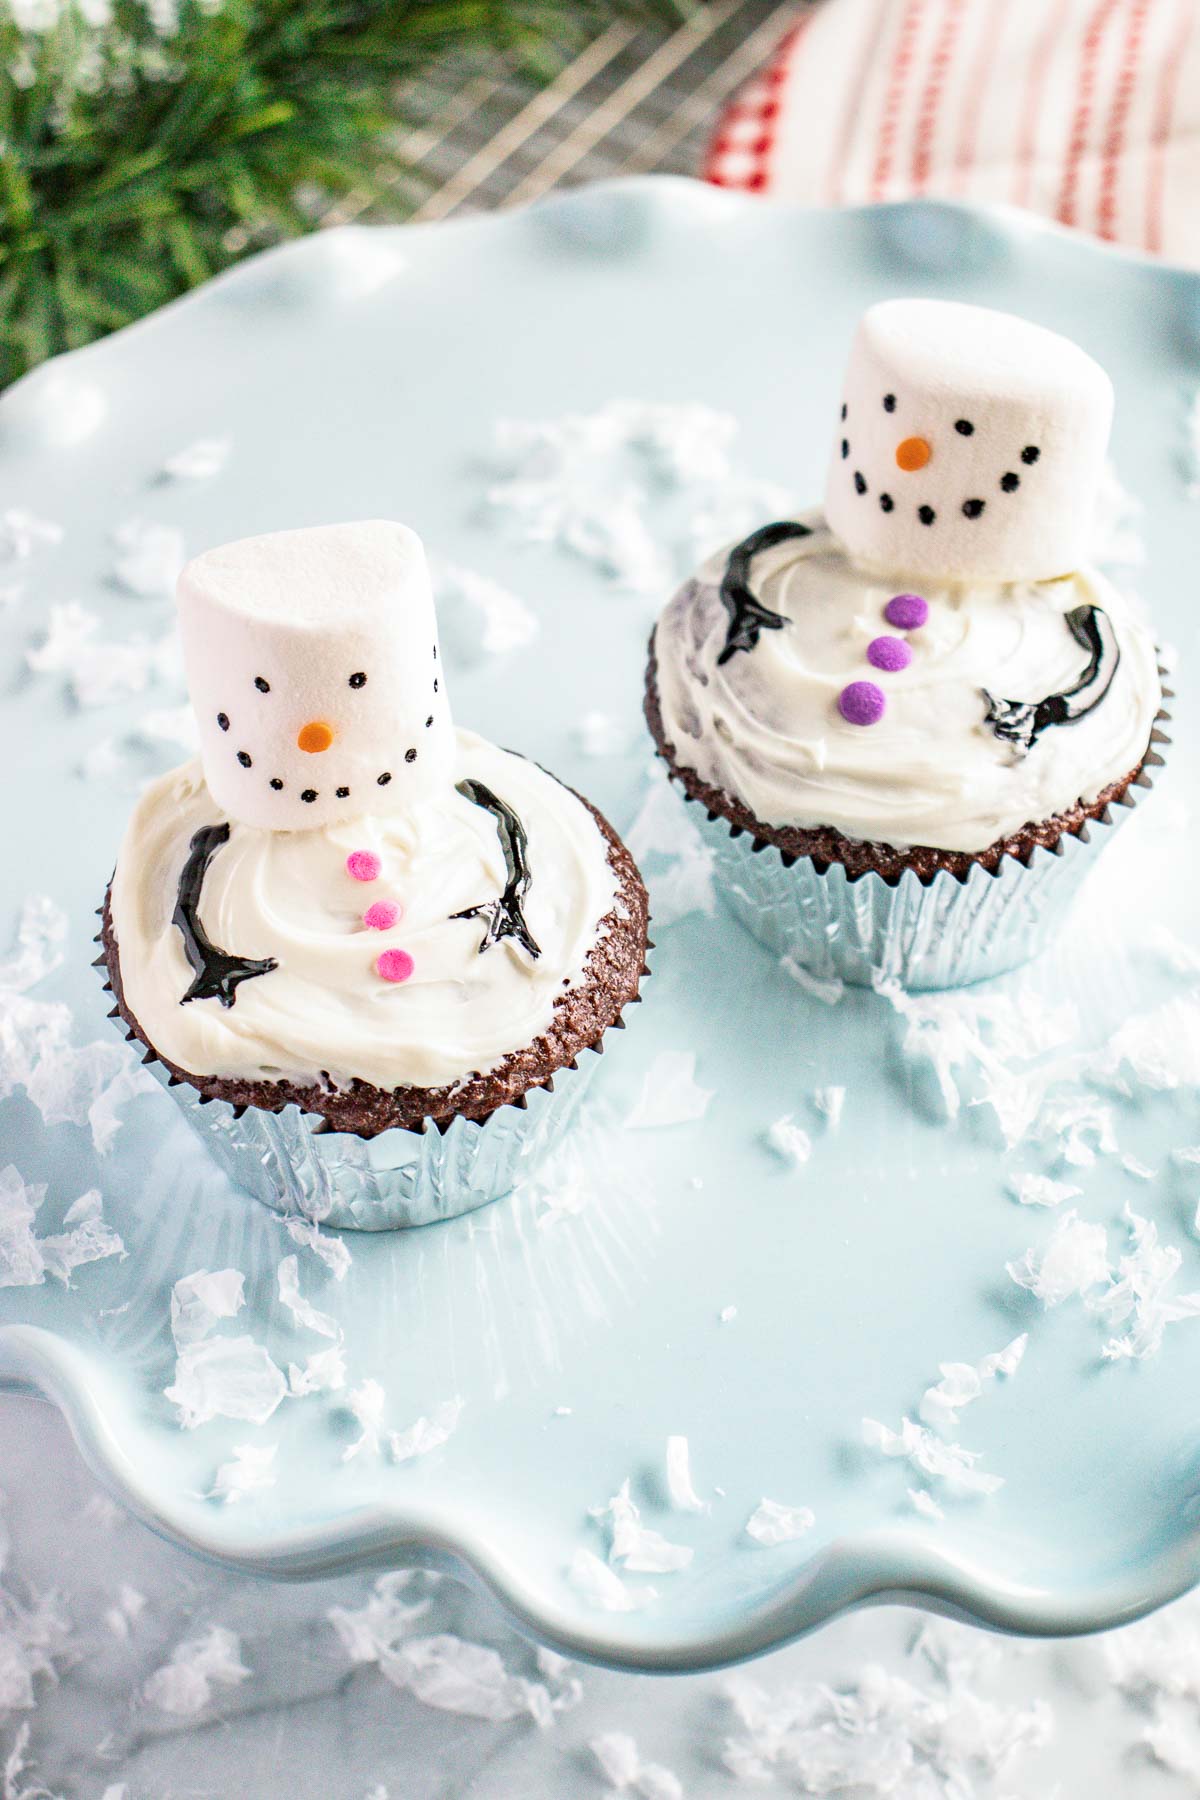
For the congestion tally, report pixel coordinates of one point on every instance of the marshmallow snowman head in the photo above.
(313, 666)
(971, 445)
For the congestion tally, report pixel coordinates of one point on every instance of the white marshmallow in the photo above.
(325, 636)
(1015, 420)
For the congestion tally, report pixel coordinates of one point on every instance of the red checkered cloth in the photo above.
(1085, 110)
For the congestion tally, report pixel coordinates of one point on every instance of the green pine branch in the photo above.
(147, 144)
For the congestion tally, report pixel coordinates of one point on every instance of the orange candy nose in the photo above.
(314, 736)
(913, 453)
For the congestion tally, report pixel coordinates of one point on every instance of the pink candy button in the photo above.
(394, 965)
(381, 915)
(364, 865)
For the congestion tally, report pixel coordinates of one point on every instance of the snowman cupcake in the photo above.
(366, 947)
(914, 719)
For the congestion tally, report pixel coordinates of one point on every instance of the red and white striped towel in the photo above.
(1085, 110)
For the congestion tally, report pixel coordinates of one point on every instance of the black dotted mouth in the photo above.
(429, 722)
(845, 448)
(972, 508)
(1030, 454)
(243, 757)
(263, 686)
(886, 503)
(343, 793)
(860, 483)
(309, 795)
(384, 778)
(410, 756)
(276, 783)
(223, 721)
(1010, 482)
(926, 515)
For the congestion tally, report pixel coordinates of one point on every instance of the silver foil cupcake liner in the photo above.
(938, 934)
(294, 1163)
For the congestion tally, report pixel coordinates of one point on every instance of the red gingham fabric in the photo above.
(1085, 110)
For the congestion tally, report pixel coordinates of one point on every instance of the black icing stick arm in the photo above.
(1021, 722)
(216, 972)
(748, 617)
(504, 916)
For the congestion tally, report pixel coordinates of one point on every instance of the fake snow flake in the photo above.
(622, 1767)
(881, 1735)
(828, 989)
(456, 1676)
(1031, 1189)
(773, 1523)
(829, 1101)
(323, 1372)
(22, 533)
(728, 1314)
(200, 1300)
(1138, 1294)
(184, 1685)
(924, 1503)
(149, 557)
(963, 1382)
(372, 1631)
(679, 1477)
(669, 1094)
(366, 1403)
(602, 1587)
(788, 1141)
(1158, 1049)
(199, 461)
(130, 1605)
(41, 937)
(639, 1548)
(252, 1468)
(330, 1249)
(478, 616)
(1083, 1128)
(932, 1455)
(426, 1434)
(26, 1259)
(229, 1378)
(99, 673)
(302, 1310)
(668, 848)
(1074, 1260)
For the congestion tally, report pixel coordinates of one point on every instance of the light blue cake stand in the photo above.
(360, 374)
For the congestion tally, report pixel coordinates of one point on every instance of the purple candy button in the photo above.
(888, 653)
(907, 612)
(862, 703)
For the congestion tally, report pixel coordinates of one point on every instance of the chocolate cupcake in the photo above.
(367, 951)
(913, 720)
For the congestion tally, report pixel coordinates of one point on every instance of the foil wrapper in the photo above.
(294, 1163)
(944, 933)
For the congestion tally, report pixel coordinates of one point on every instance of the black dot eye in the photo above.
(1030, 453)
(276, 783)
(926, 515)
(223, 721)
(343, 793)
(886, 503)
(384, 778)
(263, 686)
(964, 428)
(410, 756)
(244, 758)
(845, 447)
(889, 403)
(309, 794)
(972, 508)
(1010, 482)
(860, 486)
(358, 680)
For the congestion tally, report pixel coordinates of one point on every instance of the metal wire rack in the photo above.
(478, 136)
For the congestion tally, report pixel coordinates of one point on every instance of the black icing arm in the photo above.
(504, 916)
(217, 972)
(1021, 722)
(748, 617)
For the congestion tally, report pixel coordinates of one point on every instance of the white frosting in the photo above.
(1012, 421)
(765, 726)
(287, 895)
(312, 663)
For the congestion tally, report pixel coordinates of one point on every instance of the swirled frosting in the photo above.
(288, 895)
(765, 725)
